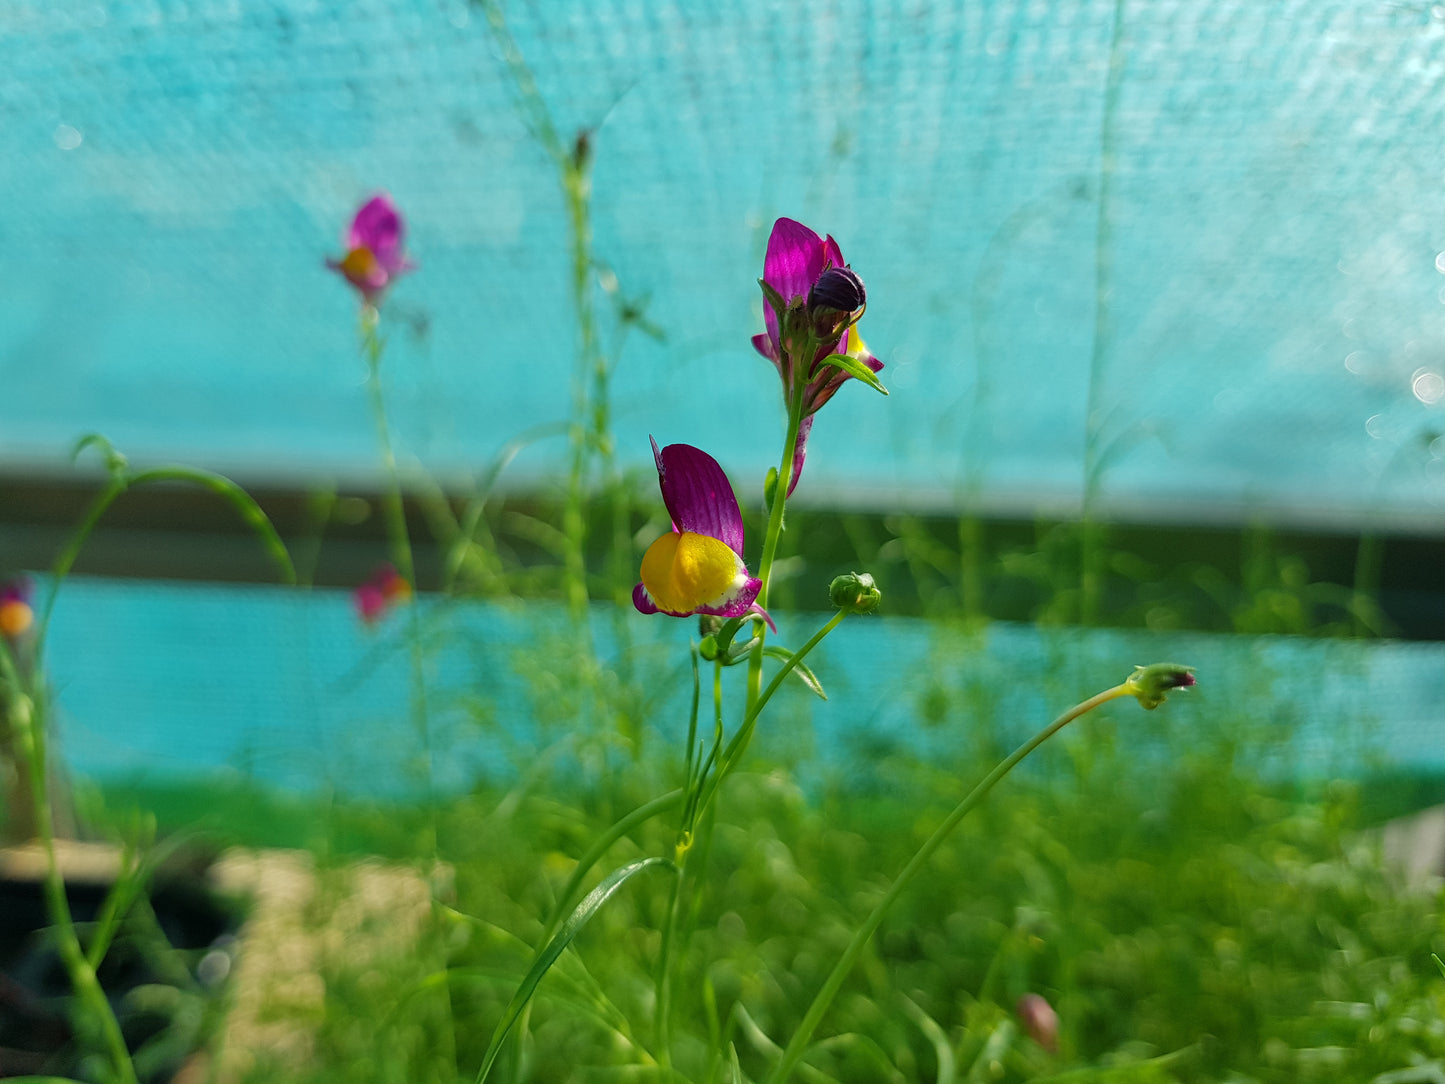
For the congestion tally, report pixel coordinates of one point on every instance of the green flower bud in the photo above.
(770, 487)
(1149, 684)
(856, 592)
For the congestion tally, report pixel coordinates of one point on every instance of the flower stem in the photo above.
(26, 717)
(589, 385)
(771, 536)
(798, 1044)
(733, 754)
(399, 543)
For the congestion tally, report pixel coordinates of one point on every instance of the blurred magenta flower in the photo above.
(16, 615)
(1039, 1021)
(375, 256)
(698, 567)
(382, 590)
(822, 299)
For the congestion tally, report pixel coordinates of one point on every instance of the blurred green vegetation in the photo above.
(1194, 923)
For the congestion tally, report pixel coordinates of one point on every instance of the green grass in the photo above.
(1192, 924)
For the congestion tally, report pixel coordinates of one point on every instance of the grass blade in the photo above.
(590, 905)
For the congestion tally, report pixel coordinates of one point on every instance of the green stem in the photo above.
(399, 543)
(25, 715)
(65, 561)
(1090, 544)
(733, 754)
(574, 521)
(397, 537)
(771, 536)
(686, 838)
(662, 1024)
(798, 1044)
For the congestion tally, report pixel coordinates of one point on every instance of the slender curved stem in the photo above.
(798, 1044)
(399, 542)
(732, 755)
(26, 716)
(67, 557)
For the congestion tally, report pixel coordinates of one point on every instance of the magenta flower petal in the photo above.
(800, 451)
(794, 259)
(378, 226)
(793, 262)
(370, 602)
(19, 589)
(698, 496)
(643, 601)
(764, 346)
(744, 603)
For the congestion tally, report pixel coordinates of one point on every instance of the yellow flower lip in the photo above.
(362, 268)
(684, 572)
(16, 618)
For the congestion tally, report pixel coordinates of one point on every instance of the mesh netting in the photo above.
(1182, 255)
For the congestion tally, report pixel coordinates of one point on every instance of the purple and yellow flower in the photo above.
(382, 590)
(375, 256)
(823, 299)
(698, 567)
(16, 614)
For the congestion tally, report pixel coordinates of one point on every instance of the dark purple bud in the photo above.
(839, 289)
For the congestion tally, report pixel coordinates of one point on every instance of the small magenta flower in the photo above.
(375, 257)
(16, 615)
(698, 567)
(822, 298)
(382, 590)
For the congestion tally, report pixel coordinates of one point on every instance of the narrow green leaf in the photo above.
(855, 368)
(1438, 963)
(805, 675)
(590, 905)
(775, 300)
(942, 1049)
(115, 463)
(244, 504)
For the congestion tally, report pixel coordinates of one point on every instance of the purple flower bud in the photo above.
(839, 289)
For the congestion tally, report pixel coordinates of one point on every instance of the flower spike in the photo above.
(697, 568)
(821, 300)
